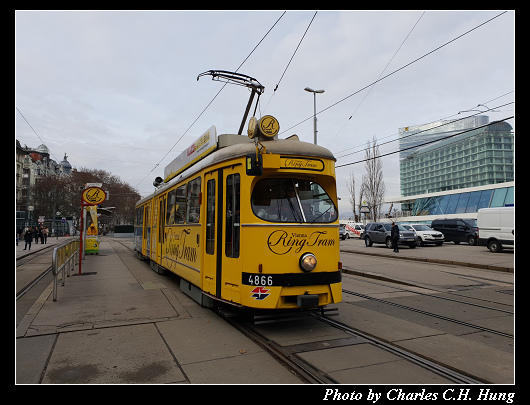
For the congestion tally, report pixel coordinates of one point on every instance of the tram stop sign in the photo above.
(94, 195)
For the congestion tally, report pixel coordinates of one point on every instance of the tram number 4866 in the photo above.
(255, 279)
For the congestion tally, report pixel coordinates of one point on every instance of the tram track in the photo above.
(289, 357)
(28, 287)
(456, 376)
(400, 289)
(36, 273)
(297, 366)
(431, 314)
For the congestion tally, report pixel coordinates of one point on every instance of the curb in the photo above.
(438, 261)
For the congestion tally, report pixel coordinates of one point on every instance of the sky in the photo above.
(115, 90)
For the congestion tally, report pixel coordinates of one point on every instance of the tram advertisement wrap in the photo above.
(181, 247)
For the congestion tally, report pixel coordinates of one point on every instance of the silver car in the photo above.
(379, 232)
(425, 234)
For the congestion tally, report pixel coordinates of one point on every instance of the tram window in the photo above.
(292, 200)
(176, 206)
(170, 212)
(180, 205)
(210, 217)
(193, 207)
(140, 216)
(232, 215)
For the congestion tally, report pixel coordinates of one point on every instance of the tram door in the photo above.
(210, 257)
(146, 237)
(154, 229)
(161, 227)
(231, 257)
(222, 263)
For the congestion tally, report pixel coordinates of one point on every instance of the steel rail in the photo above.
(430, 314)
(455, 376)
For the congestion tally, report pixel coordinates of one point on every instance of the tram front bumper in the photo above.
(307, 300)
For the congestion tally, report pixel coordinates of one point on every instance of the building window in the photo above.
(498, 198)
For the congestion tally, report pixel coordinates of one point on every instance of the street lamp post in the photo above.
(310, 90)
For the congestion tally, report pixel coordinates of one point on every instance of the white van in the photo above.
(352, 228)
(496, 227)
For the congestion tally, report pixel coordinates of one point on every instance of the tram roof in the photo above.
(231, 146)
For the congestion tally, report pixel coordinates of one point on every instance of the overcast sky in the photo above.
(115, 90)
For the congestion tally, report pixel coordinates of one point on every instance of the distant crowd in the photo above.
(29, 233)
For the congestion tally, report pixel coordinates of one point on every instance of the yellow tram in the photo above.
(251, 221)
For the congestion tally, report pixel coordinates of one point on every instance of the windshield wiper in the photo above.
(321, 214)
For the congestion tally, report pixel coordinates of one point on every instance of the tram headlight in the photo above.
(308, 262)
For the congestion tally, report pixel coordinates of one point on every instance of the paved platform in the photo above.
(121, 323)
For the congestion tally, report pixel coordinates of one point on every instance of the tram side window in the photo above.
(180, 205)
(176, 206)
(139, 215)
(232, 215)
(210, 217)
(170, 211)
(193, 207)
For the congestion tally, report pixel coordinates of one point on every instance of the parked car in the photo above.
(496, 227)
(379, 232)
(457, 230)
(342, 232)
(425, 234)
(353, 229)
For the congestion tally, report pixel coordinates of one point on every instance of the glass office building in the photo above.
(474, 158)
(412, 137)
(463, 203)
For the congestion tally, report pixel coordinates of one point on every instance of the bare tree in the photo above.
(351, 189)
(362, 194)
(374, 186)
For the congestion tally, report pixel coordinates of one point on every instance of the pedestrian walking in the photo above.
(36, 235)
(41, 235)
(394, 234)
(45, 235)
(28, 237)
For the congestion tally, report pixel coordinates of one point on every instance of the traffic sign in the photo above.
(94, 195)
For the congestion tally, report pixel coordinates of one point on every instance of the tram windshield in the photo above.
(292, 200)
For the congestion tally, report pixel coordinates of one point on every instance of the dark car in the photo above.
(457, 230)
(379, 232)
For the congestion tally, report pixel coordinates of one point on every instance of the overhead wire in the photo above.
(205, 108)
(290, 60)
(429, 129)
(371, 87)
(395, 71)
(425, 143)
(38, 136)
(441, 119)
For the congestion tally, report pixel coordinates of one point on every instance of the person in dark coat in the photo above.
(28, 238)
(394, 234)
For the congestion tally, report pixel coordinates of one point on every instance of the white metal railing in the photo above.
(63, 261)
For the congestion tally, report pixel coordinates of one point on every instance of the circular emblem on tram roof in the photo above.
(252, 124)
(269, 126)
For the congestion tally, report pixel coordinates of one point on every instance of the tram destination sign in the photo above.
(203, 146)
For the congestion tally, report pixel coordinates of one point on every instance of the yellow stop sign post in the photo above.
(90, 196)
